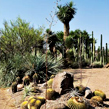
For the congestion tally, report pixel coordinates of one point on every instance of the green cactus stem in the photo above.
(14, 87)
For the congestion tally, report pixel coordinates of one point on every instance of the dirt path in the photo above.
(93, 78)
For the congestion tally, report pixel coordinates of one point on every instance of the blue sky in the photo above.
(92, 15)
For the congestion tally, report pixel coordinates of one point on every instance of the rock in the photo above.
(88, 93)
(54, 105)
(63, 82)
(20, 87)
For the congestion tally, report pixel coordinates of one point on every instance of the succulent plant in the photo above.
(49, 83)
(50, 94)
(80, 89)
(18, 80)
(26, 80)
(52, 76)
(42, 99)
(35, 79)
(96, 101)
(14, 87)
(24, 105)
(36, 105)
(100, 93)
(76, 103)
(31, 102)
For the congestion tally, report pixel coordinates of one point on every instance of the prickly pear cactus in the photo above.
(100, 93)
(14, 87)
(76, 103)
(96, 101)
(24, 105)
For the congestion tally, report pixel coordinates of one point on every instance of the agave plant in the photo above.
(38, 64)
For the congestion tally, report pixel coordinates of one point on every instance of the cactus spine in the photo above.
(106, 53)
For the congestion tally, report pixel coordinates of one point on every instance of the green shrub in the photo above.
(38, 64)
(96, 64)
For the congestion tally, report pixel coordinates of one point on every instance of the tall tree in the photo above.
(65, 14)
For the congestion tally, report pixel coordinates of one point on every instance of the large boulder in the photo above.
(63, 82)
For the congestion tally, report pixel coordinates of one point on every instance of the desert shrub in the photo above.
(96, 64)
(11, 69)
(38, 64)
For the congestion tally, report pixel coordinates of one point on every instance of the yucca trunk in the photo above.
(66, 33)
(66, 30)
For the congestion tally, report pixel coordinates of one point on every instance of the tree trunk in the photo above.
(66, 33)
(66, 30)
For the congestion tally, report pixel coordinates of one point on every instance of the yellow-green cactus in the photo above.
(24, 105)
(52, 76)
(96, 100)
(36, 105)
(80, 89)
(100, 93)
(31, 98)
(35, 78)
(31, 102)
(14, 87)
(26, 80)
(50, 94)
(42, 99)
(49, 83)
(76, 103)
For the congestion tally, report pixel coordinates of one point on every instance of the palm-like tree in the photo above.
(65, 14)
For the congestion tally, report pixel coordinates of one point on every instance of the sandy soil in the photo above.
(92, 78)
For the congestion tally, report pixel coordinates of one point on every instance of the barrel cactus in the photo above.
(31, 102)
(76, 103)
(49, 83)
(100, 93)
(42, 99)
(35, 79)
(52, 76)
(14, 87)
(18, 80)
(24, 105)
(26, 80)
(50, 94)
(80, 89)
(96, 101)
(36, 105)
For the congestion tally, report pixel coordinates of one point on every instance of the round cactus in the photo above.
(52, 76)
(14, 87)
(80, 89)
(50, 94)
(96, 100)
(75, 103)
(35, 79)
(31, 98)
(42, 99)
(18, 80)
(100, 93)
(49, 83)
(31, 102)
(26, 80)
(24, 105)
(36, 105)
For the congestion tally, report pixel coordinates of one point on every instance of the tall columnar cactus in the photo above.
(106, 53)
(101, 54)
(93, 47)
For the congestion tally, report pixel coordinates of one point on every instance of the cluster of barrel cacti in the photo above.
(78, 101)
(33, 103)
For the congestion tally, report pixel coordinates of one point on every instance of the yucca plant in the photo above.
(38, 64)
